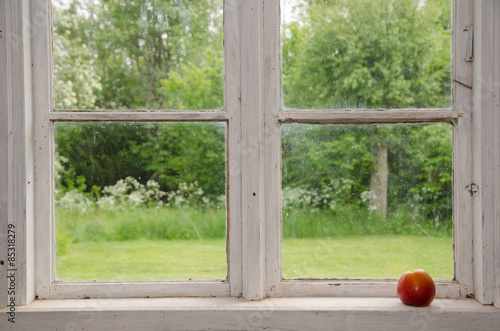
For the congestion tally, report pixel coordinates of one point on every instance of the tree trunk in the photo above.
(379, 178)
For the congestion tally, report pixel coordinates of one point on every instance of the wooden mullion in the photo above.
(252, 170)
(137, 116)
(369, 116)
(232, 70)
(272, 153)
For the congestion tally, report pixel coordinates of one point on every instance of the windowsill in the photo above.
(239, 314)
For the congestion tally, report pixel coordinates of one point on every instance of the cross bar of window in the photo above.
(366, 116)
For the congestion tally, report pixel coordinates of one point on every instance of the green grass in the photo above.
(143, 260)
(141, 223)
(350, 257)
(192, 223)
(188, 243)
(385, 256)
(352, 221)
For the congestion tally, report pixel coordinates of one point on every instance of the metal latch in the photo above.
(472, 188)
(469, 50)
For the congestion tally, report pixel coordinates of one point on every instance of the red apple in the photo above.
(416, 288)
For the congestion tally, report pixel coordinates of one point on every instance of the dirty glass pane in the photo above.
(366, 54)
(140, 201)
(368, 201)
(138, 54)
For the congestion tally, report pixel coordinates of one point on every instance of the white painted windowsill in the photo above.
(240, 314)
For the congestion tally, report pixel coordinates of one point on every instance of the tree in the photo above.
(371, 54)
(197, 87)
(141, 43)
(379, 179)
(368, 54)
(76, 83)
(140, 54)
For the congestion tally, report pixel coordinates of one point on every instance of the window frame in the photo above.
(253, 113)
(52, 288)
(275, 114)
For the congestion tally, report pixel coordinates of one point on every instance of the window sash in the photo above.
(47, 286)
(253, 114)
(275, 285)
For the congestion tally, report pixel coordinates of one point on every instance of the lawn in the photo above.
(377, 256)
(385, 256)
(143, 260)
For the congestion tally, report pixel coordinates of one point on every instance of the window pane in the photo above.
(366, 54)
(140, 201)
(366, 201)
(138, 54)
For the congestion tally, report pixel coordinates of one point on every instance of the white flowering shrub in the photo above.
(75, 201)
(107, 203)
(337, 193)
(187, 195)
(75, 81)
(367, 197)
(301, 197)
(130, 193)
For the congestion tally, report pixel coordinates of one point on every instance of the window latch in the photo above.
(469, 50)
(473, 189)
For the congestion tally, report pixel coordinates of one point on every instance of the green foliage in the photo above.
(334, 158)
(101, 152)
(169, 153)
(121, 54)
(75, 83)
(143, 54)
(184, 153)
(196, 87)
(138, 44)
(368, 54)
(329, 166)
(420, 175)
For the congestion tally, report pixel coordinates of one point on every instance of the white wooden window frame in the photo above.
(254, 116)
